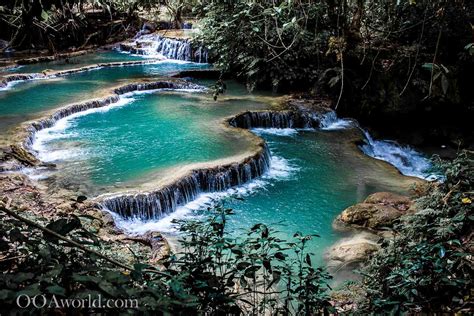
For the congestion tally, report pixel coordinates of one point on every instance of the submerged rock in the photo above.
(377, 211)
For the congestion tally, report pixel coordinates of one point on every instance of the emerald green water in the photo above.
(29, 99)
(314, 175)
(75, 62)
(148, 134)
(320, 176)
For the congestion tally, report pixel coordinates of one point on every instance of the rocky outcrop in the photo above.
(370, 220)
(379, 210)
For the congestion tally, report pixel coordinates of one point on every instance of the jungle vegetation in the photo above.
(383, 62)
(426, 267)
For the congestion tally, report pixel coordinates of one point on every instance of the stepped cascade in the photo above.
(179, 49)
(137, 186)
(155, 204)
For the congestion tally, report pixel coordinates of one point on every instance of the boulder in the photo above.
(400, 202)
(377, 211)
(370, 215)
(350, 252)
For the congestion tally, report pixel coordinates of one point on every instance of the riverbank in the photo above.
(36, 202)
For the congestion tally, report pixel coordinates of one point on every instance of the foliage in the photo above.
(428, 266)
(256, 274)
(266, 43)
(60, 25)
(215, 273)
(367, 55)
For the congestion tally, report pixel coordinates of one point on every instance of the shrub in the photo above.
(428, 266)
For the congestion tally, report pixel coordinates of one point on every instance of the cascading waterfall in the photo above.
(406, 159)
(274, 119)
(153, 205)
(179, 49)
(9, 80)
(330, 121)
(12, 79)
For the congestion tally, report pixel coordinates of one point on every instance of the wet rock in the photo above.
(108, 219)
(350, 252)
(22, 155)
(400, 202)
(315, 106)
(370, 215)
(379, 210)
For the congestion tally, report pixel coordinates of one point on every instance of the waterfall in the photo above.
(273, 119)
(330, 121)
(406, 159)
(153, 205)
(10, 80)
(152, 45)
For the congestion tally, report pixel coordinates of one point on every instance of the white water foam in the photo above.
(11, 84)
(330, 122)
(276, 131)
(153, 45)
(406, 159)
(59, 131)
(280, 169)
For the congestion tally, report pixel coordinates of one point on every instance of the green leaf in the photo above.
(63, 226)
(308, 259)
(44, 15)
(280, 256)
